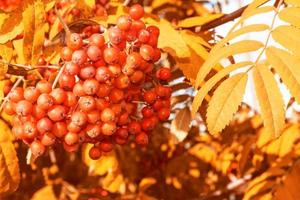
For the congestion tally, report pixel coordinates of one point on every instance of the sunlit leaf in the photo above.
(181, 124)
(291, 15)
(270, 99)
(198, 20)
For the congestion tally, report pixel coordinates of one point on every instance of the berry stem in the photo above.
(52, 156)
(65, 26)
(126, 2)
(58, 76)
(19, 80)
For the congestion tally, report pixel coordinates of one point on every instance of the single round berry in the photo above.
(134, 127)
(108, 128)
(44, 86)
(38, 112)
(79, 57)
(59, 129)
(71, 69)
(91, 86)
(66, 82)
(102, 74)
(163, 114)
(57, 113)
(147, 52)
(95, 153)
(16, 94)
(104, 90)
(136, 12)
(59, 95)
(66, 54)
(124, 22)
(94, 53)
(107, 115)
(116, 95)
(150, 97)
(78, 89)
(30, 130)
(31, 94)
(142, 139)
(71, 138)
(45, 101)
(74, 41)
(37, 148)
(71, 99)
(97, 40)
(48, 139)
(122, 81)
(93, 130)
(79, 118)
(106, 146)
(94, 116)
(87, 72)
(24, 108)
(111, 55)
(163, 74)
(87, 103)
(44, 125)
(9, 108)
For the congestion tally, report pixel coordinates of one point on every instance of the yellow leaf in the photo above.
(291, 15)
(203, 152)
(47, 192)
(158, 3)
(11, 27)
(270, 99)
(233, 49)
(6, 53)
(18, 46)
(49, 4)
(180, 126)
(241, 31)
(195, 42)
(288, 68)
(146, 183)
(198, 20)
(90, 3)
(253, 6)
(28, 22)
(170, 39)
(9, 166)
(288, 36)
(190, 66)
(285, 143)
(212, 82)
(39, 31)
(101, 166)
(113, 182)
(225, 102)
(293, 2)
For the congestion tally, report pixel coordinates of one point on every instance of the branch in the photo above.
(225, 18)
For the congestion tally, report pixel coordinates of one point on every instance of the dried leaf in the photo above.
(198, 20)
(270, 99)
(11, 27)
(288, 68)
(180, 126)
(212, 82)
(225, 102)
(233, 49)
(9, 166)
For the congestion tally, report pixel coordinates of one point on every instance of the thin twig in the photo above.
(13, 87)
(126, 2)
(61, 20)
(225, 18)
(58, 76)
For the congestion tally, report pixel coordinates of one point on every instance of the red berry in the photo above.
(48, 139)
(106, 146)
(79, 118)
(143, 36)
(122, 81)
(57, 113)
(38, 112)
(71, 99)
(31, 94)
(66, 82)
(164, 74)
(136, 11)
(87, 72)
(94, 53)
(44, 125)
(150, 97)
(95, 153)
(102, 74)
(71, 69)
(66, 54)
(87, 103)
(78, 89)
(116, 95)
(108, 128)
(17, 94)
(124, 22)
(103, 90)
(30, 130)
(59, 95)
(37, 148)
(71, 138)
(107, 115)
(122, 133)
(90, 86)
(111, 55)
(59, 129)
(44, 86)
(97, 40)
(147, 52)
(134, 127)
(74, 41)
(134, 60)
(93, 116)
(147, 124)
(79, 57)
(142, 139)
(147, 112)
(163, 114)
(115, 35)
(24, 107)
(45, 101)
(137, 77)
(9, 108)
(93, 130)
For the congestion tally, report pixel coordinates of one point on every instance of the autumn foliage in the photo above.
(136, 99)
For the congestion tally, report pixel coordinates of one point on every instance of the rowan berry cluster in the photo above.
(108, 93)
